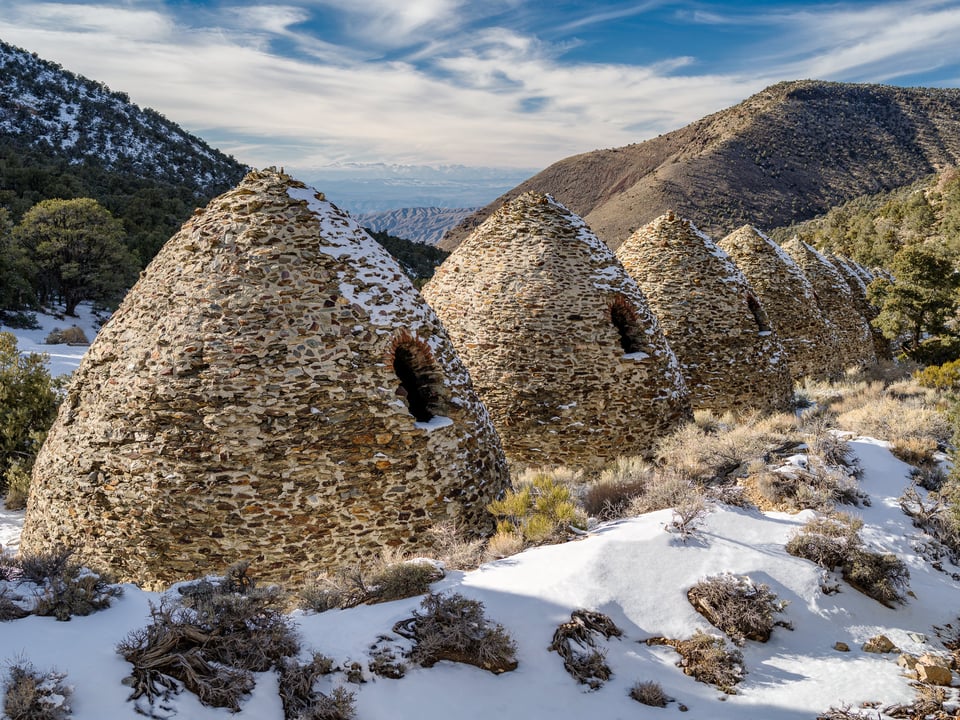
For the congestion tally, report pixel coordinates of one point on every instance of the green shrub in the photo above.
(28, 406)
(541, 510)
(940, 377)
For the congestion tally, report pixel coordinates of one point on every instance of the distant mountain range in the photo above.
(423, 224)
(784, 155)
(63, 135)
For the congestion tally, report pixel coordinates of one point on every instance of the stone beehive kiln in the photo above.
(855, 346)
(856, 278)
(713, 320)
(786, 295)
(559, 340)
(274, 389)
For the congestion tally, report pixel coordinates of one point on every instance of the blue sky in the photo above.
(513, 85)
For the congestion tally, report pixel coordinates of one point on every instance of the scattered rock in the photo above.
(934, 674)
(841, 646)
(879, 644)
(907, 661)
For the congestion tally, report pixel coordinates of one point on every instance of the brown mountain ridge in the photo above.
(786, 154)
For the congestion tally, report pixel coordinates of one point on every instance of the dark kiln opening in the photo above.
(415, 369)
(624, 319)
(757, 313)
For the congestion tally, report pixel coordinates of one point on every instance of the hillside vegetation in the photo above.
(872, 228)
(784, 155)
(65, 136)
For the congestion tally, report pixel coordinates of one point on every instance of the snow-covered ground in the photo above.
(631, 570)
(63, 359)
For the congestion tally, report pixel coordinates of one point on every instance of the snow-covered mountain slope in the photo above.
(631, 570)
(420, 224)
(49, 109)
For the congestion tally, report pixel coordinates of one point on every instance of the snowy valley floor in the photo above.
(633, 571)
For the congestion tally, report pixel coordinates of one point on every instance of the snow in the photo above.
(62, 359)
(631, 570)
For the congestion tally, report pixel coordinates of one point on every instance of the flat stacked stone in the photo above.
(787, 297)
(713, 319)
(836, 302)
(273, 389)
(559, 341)
(857, 282)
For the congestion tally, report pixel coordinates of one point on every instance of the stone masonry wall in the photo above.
(786, 295)
(857, 281)
(246, 402)
(712, 318)
(837, 304)
(562, 348)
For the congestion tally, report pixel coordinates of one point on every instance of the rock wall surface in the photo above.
(858, 278)
(712, 318)
(836, 301)
(273, 389)
(562, 347)
(786, 295)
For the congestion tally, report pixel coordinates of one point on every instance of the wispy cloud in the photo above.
(449, 81)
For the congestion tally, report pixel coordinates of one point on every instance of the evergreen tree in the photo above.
(76, 251)
(922, 298)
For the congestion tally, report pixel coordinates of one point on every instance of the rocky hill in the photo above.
(63, 135)
(420, 224)
(786, 154)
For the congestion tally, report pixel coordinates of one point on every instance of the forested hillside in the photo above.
(871, 229)
(65, 136)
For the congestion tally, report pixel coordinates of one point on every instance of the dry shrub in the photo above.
(385, 663)
(453, 627)
(575, 642)
(609, 497)
(688, 516)
(708, 659)
(649, 693)
(741, 608)
(936, 516)
(844, 712)
(386, 581)
(705, 456)
(33, 695)
(302, 702)
(884, 577)
(454, 547)
(832, 448)
(818, 486)
(504, 544)
(65, 588)
(10, 609)
(917, 451)
(834, 542)
(402, 580)
(827, 541)
(887, 418)
(72, 335)
(665, 489)
(211, 642)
